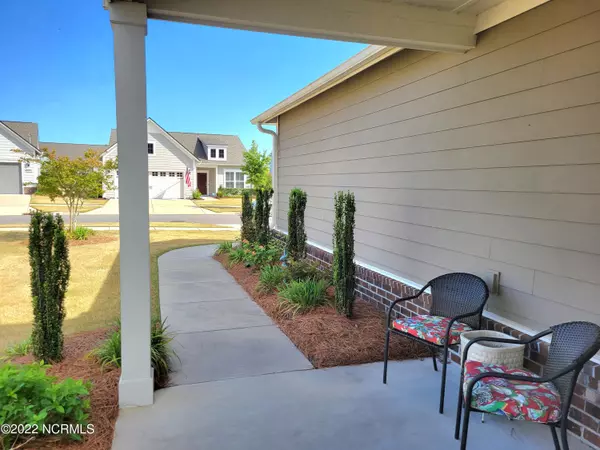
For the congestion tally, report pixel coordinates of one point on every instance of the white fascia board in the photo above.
(503, 12)
(357, 63)
(171, 139)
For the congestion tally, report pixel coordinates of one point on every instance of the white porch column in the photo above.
(129, 29)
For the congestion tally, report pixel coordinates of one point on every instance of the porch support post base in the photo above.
(138, 392)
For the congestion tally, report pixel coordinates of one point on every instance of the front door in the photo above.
(202, 182)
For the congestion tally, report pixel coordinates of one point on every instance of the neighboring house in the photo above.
(71, 150)
(18, 140)
(487, 161)
(213, 160)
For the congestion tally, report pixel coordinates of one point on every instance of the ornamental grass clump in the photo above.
(50, 270)
(343, 252)
(161, 353)
(298, 297)
(224, 248)
(271, 278)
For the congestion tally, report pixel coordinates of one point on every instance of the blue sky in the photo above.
(58, 71)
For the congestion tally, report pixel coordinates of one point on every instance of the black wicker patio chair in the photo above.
(457, 304)
(520, 394)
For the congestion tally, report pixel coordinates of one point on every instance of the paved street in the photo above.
(225, 219)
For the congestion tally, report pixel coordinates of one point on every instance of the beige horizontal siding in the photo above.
(484, 161)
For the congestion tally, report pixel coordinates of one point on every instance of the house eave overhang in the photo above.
(356, 64)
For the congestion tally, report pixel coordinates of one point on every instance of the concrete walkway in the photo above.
(221, 332)
(14, 204)
(242, 385)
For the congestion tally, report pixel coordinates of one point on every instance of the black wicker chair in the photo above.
(573, 344)
(457, 303)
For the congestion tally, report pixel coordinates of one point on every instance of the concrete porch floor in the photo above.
(242, 385)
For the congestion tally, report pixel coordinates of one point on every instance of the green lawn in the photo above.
(93, 296)
(45, 204)
(220, 205)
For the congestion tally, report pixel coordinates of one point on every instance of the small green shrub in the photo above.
(109, 352)
(248, 230)
(161, 353)
(224, 248)
(196, 194)
(298, 297)
(262, 213)
(232, 192)
(19, 349)
(271, 278)
(49, 278)
(305, 269)
(296, 238)
(29, 396)
(260, 255)
(81, 233)
(237, 255)
(343, 252)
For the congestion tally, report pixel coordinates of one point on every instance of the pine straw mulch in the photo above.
(103, 396)
(326, 338)
(93, 239)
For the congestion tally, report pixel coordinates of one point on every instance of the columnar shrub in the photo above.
(247, 217)
(50, 269)
(296, 238)
(262, 214)
(343, 252)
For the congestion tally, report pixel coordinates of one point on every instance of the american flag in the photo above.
(188, 177)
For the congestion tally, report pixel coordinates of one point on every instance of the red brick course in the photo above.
(382, 291)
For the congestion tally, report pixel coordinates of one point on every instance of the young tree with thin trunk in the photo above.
(257, 166)
(74, 180)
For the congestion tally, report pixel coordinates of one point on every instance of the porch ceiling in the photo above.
(434, 25)
(427, 24)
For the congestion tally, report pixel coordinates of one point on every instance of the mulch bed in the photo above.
(104, 397)
(93, 239)
(326, 338)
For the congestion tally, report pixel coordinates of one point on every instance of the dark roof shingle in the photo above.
(196, 144)
(71, 150)
(27, 130)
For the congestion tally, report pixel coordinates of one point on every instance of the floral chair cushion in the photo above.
(431, 328)
(522, 400)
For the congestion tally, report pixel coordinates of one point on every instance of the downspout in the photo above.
(275, 136)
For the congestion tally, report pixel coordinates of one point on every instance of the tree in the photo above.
(50, 270)
(343, 252)
(74, 180)
(296, 238)
(257, 167)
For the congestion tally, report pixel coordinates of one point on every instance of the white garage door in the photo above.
(165, 185)
(10, 178)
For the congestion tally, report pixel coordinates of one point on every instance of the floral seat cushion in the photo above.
(431, 328)
(522, 400)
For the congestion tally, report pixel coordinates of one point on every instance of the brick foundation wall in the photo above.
(382, 291)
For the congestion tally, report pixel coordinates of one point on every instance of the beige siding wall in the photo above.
(484, 161)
